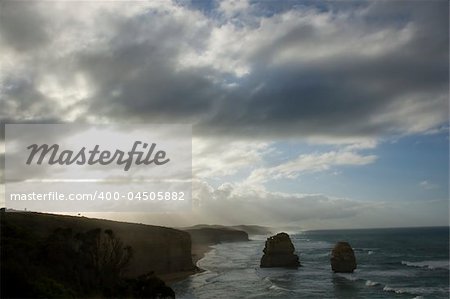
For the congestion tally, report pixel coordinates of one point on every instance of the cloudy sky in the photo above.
(308, 114)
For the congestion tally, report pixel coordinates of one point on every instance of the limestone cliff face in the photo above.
(279, 252)
(343, 258)
(159, 249)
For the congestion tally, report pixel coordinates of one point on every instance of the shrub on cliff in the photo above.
(70, 265)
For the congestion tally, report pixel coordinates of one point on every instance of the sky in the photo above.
(309, 114)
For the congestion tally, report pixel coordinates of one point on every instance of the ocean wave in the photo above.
(418, 292)
(348, 276)
(277, 288)
(395, 290)
(368, 251)
(317, 254)
(415, 291)
(432, 265)
(371, 283)
(267, 279)
(392, 273)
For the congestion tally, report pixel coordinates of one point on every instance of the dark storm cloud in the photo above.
(344, 95)
(138, 78)
(338, 97)
(20, 94)
(380, 68)
(147, 87)
(21, 27)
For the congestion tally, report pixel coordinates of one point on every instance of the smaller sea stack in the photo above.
(279, 252)
(343, 258)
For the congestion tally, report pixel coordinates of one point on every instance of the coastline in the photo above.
(198, 252)
(425, 274)
(202, 238)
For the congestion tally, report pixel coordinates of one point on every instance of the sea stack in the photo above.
(279, 252)
(343, 258)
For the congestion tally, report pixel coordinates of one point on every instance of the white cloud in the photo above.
(304, 163)
(427, 185)
(333, 76)
(218, 157)
(237, 203)
(415, 113)
(349, 143)
(232, 7)
(296, 72)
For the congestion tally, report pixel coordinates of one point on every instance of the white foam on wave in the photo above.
(258, 237)
(371, 283)
(277, 288)
(348, 276)
(326, 254)
(394, 290)
(441, 264)
(267, 279)
(417, 291)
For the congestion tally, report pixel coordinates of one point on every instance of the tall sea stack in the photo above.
(343, 258)
(279, 252)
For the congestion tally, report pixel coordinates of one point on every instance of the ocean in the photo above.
(392, 263)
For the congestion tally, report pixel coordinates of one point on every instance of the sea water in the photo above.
(392, 263)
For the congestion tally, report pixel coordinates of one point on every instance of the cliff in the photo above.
(211, 235)
(249, 229)
(158, 249)
(254, 229)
